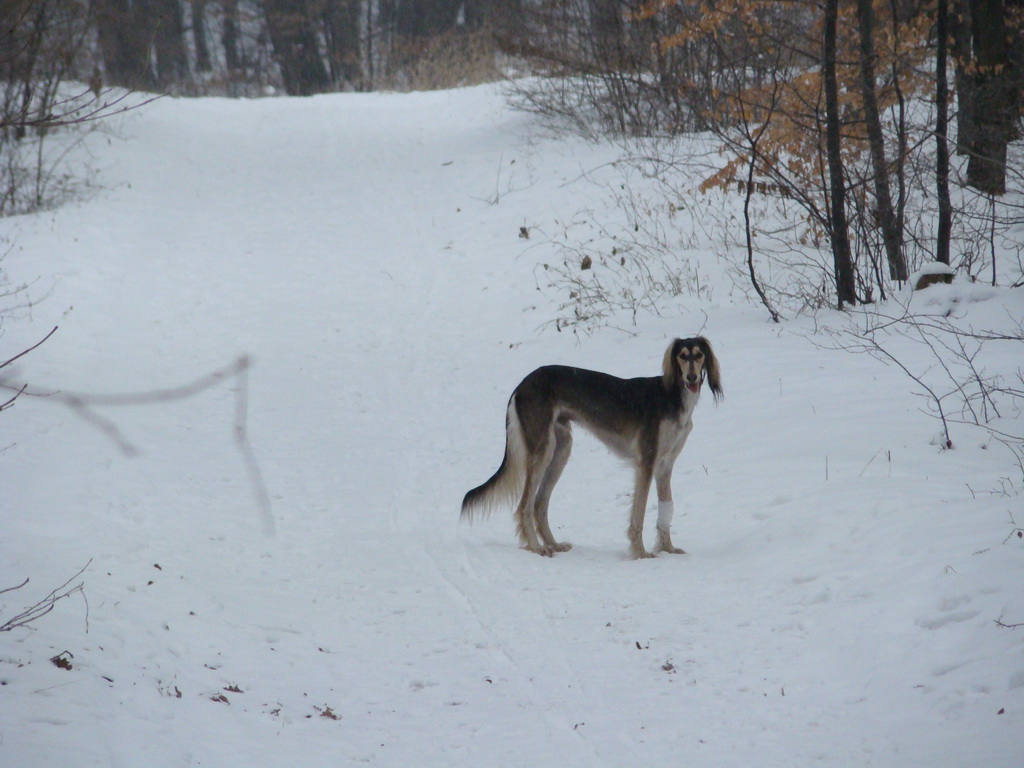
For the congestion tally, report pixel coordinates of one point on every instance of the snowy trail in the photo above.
(365, 251)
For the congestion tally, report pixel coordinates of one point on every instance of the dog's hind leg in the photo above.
(526, 513)
(560, 457)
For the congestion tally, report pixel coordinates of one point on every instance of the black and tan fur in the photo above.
(644, 420)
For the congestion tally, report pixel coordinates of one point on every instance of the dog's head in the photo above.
(689, 363)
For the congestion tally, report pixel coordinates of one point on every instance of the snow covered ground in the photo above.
(838, 605)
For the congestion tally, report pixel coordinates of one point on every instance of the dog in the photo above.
(645, 421)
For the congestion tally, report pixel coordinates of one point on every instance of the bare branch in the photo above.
(19, 391)
(47, 604)
(957, 356)
(85, 404)
(12, 589)
(1000, 623)
(70, 112)
(252, 466)
(25, 352)
(182, 392)
(8, 403)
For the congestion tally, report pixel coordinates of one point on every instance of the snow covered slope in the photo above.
(838, 606)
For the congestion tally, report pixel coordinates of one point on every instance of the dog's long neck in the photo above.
(685, 399)
(689, 400)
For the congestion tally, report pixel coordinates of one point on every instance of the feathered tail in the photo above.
(505, 485)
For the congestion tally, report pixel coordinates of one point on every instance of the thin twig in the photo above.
(47, 604)
(26, 351)
(12, 589)
(8, 403)
(1001, 623)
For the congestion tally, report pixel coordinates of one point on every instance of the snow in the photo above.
(838, 605)
(932, 268)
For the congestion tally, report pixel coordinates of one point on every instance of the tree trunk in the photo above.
(199, 36)
(425, 18)
(1015, 57)
(341, 30)
(941, 129)
(607, 33)
(125, 32)
(229, 39)
(840, 232)
(293, 35)
(902, 150)
(169, 43)
(749, 232)
(892, 236)
(414, 23)
(995, 110)
(499, 16)
(963, 80)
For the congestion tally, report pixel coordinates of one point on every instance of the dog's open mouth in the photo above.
(695, 388)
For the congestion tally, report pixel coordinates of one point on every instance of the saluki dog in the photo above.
(645, 421)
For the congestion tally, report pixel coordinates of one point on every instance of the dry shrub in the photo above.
(452, 60)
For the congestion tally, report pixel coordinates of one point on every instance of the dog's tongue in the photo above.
(695, 388)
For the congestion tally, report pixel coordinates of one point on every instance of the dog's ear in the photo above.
(714, 377)
(669, 368)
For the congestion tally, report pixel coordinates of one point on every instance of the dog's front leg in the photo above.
(665, 511)
(636, 518)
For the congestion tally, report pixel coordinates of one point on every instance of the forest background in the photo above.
(847, 113)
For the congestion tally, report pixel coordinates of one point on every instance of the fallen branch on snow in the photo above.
(47, 604)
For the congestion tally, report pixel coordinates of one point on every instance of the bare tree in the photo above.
(996, 94)
(296, 47)
(421, 19)
(125, 31)
(204, 63)
(839, 231)
(168, 22)
(340, 25)
(960, 23)
(892, 236)
(945, 218)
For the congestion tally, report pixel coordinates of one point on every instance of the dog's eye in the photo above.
(698, 355)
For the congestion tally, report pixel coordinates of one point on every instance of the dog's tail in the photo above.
(506, 484)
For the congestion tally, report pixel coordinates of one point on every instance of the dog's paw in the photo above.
(671, 550)
(664, 544)
(562, 546)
